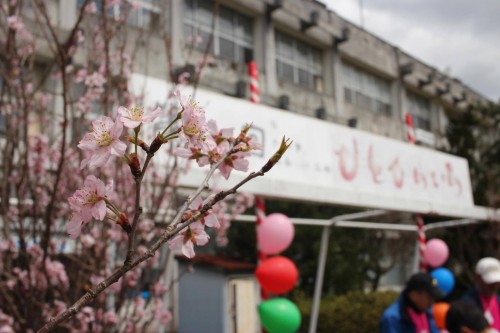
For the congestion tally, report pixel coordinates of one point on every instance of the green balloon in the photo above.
(279, 315)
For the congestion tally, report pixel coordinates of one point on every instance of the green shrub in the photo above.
(353, 312)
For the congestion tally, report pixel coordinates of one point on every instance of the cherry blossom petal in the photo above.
(211, 221)
(188, 249)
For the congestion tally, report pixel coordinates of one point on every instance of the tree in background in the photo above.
(474, 135)
(80, 156)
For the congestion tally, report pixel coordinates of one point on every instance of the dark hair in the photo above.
(423, 282)
(465, 314)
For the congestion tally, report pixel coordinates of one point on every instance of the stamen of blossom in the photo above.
(193, 120)
(185, 240)
(134, 116)
(88, 203)
(102, 142)
(192, 153)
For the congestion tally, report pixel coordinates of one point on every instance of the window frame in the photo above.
(311, 66)
(151, 7)
(366, 90)
(238, 39)
(422, 116)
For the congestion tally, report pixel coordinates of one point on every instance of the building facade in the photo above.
(310, 60)
(313, 62)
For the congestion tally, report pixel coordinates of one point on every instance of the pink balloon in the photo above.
(275, 234)
(436, 252)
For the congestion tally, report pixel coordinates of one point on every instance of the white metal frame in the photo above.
(352, 221)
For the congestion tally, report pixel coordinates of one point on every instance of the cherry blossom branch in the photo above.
(176, 226)
(138, 183)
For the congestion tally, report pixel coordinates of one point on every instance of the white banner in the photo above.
(335, 164)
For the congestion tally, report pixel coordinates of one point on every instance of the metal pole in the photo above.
(451, 223)
(325, 238)
(322, 260)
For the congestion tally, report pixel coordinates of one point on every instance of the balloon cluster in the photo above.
(277, 275)
(436, 253)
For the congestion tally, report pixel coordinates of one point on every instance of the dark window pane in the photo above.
(284, 46)
(188, 10)
(227, 49)
(226, 21)
(285, 71)
(348, 96)
(363, 101)
(302, 56)
(245, 29)
(305, 79)
(204, 12)
(205, 37)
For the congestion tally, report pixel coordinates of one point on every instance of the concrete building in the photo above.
(311, 61)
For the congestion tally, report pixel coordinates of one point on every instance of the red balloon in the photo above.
(277, 275)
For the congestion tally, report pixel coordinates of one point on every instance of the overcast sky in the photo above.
(460, 37)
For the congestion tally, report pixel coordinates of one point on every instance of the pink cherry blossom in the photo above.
(219, 135)
(74, 227)
(192, 153)
(194, 234)
(102, 142)
(194, 40)
(96, 79)
(14, 22)
(56, 274)
(193, 120)
(134, 116)
(235, 161)
(88, 203)
(110, 318)
(164, 316)
(208, 218)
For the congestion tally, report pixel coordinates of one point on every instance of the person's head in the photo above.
(465, 318)
(422, 290)
(488, 275)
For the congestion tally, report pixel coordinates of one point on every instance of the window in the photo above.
(420, 109)
(145, 15)
(298, 62)
(233, 34)
(366, 90)
(141, 13)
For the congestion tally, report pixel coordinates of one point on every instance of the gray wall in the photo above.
(202, 302)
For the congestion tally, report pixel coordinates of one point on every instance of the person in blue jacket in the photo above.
(411, 312)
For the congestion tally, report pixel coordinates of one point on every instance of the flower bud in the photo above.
(285, 143)
(156, 144)
(124, 223)
(135, 166)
